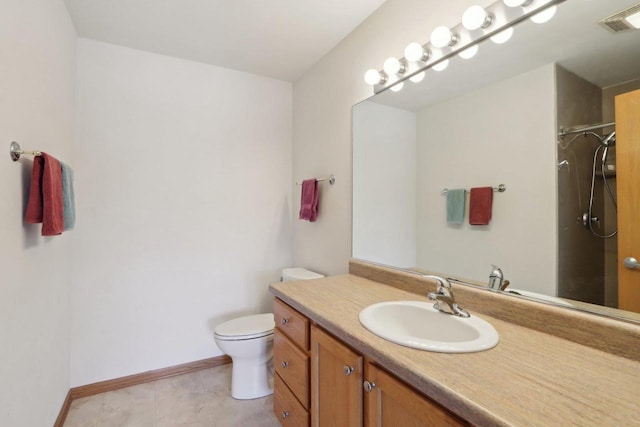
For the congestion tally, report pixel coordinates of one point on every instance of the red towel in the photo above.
(45, 197)
(480, 202)
(309, 200)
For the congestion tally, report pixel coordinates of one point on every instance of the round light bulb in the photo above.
(392, 66)
(397, 87)
(440, 66)
(475, 18)
(414, 52)
(545, 15)
(502, 36)
(418, 77)
(443, 37)
(469, 52)
(516, 3)
(372, 77)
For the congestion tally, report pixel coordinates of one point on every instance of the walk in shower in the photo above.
(587, 200)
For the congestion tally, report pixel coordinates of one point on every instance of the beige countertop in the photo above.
(529, 379)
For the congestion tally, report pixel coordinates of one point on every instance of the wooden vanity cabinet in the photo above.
(291, 400)
(336, 382)
(389, 402)
(320, 381)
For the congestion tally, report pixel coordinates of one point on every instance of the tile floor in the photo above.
(199, 399)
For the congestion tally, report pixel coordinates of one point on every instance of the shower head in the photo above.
(609, 140)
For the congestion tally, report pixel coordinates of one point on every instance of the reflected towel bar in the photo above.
(500, 188)
(331, 178)
(15, 151)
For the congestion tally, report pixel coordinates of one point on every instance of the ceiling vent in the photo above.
(628, 19)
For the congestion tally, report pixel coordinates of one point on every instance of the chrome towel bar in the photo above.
(500, 188)
(331, 178)
(15, 151)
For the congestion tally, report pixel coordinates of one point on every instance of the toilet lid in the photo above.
(255, 326)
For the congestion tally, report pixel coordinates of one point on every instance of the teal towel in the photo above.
(68, 198)
(455, 206)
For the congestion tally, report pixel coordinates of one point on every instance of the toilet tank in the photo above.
(291, 274)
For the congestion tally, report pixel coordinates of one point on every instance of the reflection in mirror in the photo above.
(500, 118)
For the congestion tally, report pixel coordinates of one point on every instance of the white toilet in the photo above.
(248, 341)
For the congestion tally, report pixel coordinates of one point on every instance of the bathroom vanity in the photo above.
(343, 384)
(329, 367)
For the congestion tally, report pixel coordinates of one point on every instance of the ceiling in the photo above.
(277, 38)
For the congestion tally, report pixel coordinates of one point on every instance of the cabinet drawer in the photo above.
(293, 366)
(286, 407)
(292, 323)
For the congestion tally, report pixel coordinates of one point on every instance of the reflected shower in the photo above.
(604, 143)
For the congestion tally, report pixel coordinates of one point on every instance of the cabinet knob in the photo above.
(368, 386)
(348, 369)
(284, 364)
(284, 321)
(285, 414)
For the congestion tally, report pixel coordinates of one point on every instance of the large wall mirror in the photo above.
(502, 117)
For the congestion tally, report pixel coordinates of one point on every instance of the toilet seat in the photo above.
(246, 328)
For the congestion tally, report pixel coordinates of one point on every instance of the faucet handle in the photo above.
(443, 284)
(444, 298)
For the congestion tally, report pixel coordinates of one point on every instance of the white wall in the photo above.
(384, 184)
(184, 196)
(469, 142)
(322, 101)
(37, 67)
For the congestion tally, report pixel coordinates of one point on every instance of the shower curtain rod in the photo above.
(585, 129)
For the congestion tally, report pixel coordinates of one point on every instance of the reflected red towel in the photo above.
(309, 200)
(480, 201)
(45, 196)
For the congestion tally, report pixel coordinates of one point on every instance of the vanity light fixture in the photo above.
(373, 77)
(469, 52)
(418, 77)
(441, 66)
(393, 66)
(397, 87)
(545, 15)
(495, 22)
(414, 52)
(503, 36)
(443, 37)
(476, 17)
(516, 3)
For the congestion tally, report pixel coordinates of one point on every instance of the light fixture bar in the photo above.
(504, 17)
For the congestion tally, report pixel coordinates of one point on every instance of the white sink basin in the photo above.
(418, 325)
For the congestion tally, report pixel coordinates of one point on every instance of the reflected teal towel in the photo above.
(455, 206)
(68, 198)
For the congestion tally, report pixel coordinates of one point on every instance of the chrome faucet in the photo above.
(445, 301)
(496, 279)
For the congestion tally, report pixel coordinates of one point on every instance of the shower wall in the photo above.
(580, 253)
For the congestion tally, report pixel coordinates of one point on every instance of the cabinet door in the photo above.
(392, 403)
(336, 382)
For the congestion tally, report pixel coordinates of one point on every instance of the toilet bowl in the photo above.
(248, 341)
